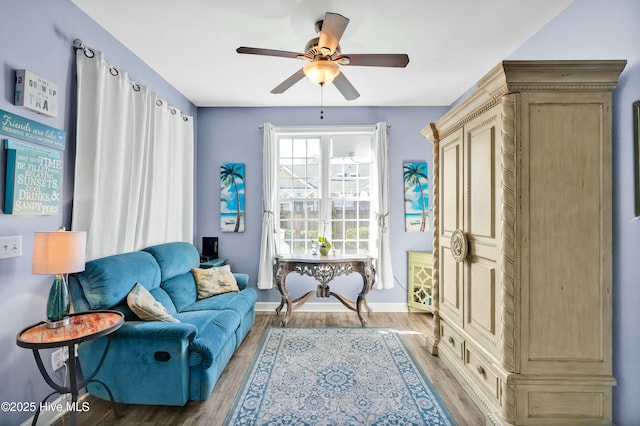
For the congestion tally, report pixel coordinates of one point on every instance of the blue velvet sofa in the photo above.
(153, 362)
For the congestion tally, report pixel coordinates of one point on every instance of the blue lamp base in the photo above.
(58, 303)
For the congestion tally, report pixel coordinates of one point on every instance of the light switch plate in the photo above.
(10, 247)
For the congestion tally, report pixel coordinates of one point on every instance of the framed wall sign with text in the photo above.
(36, 93)
(33, 180)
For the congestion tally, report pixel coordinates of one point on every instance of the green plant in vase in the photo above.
(324, 246)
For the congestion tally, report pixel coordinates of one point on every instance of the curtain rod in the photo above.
(261, 127)
(89, 53)
(79, 45)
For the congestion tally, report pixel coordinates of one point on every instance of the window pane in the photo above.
(298, 247)
(357, 147)
(337, 230)
(299, 148)
(286, 148)
(313, 148)
(346, 189)
(338, 246)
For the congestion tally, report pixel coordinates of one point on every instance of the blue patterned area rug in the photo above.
(336, 376)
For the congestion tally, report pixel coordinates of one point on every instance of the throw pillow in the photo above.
(146, 307)
(214, 281)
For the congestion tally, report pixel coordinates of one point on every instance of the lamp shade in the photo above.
(321, 71)
(58, 252)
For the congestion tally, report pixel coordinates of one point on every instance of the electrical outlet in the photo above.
(10, 247)
(58, 358)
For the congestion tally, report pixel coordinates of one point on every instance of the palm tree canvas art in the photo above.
(416, 197)
(232, 197)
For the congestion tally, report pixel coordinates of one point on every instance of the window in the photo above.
(325, 187)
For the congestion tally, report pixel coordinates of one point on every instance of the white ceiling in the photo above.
(192, 44)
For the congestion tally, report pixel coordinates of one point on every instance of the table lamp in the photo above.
(58, 253)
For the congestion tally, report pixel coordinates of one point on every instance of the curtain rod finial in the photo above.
(78, 44)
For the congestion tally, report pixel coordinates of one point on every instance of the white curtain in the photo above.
(134, 163)
(268, 246)
(384, 272)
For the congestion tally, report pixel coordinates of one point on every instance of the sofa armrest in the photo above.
(157, 330)
(200, 354)
(140, 347)
(147, 363)
(242, 279)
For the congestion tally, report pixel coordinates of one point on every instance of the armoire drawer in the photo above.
(451, 340)
(480, 369)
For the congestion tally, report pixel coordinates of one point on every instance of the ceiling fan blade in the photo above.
(399, 60)
(295, 77)
(268, 52)
(345, 87)
(333, 27)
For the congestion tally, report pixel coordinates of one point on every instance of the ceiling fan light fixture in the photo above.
(325, 58)
(321, 71)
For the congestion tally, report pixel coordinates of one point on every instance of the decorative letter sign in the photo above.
(31, 131)
(34, 180)
(36, 93)
(34, 172)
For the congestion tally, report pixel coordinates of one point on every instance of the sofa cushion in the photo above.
(165, 300)
(174, 258)
(143, 304)
(214, 327)
(214, 281)
(181, 289)
(106, 282)
(240, 302)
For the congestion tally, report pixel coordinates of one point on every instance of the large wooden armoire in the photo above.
(522, 242)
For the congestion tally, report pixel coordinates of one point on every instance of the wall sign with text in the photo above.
(19, 127)
(34, 179)
(36, 93)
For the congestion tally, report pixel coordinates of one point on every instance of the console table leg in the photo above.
(368, 277)
(285, 320)
(285, 301)
(286, 297)
(359, 309)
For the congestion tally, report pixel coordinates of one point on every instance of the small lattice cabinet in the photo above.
(419, 280)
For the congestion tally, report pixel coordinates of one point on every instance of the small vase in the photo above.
(324, 250)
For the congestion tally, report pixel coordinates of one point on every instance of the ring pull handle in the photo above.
(480, 370)
(451, 340)
(459, 245)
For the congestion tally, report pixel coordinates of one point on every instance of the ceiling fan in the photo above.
(325, 58)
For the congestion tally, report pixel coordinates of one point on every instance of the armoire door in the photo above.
(451, 219)
(482, 228)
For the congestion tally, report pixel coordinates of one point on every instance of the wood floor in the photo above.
(212, 412)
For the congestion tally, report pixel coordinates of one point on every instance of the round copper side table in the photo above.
(83, 326)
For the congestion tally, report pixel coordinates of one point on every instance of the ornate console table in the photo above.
(324, 269)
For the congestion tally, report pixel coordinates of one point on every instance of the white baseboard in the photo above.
(334, 307)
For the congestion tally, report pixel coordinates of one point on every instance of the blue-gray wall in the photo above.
(37, 35)
(232, 135)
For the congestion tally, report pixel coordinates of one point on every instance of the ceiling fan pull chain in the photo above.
(321, 101)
